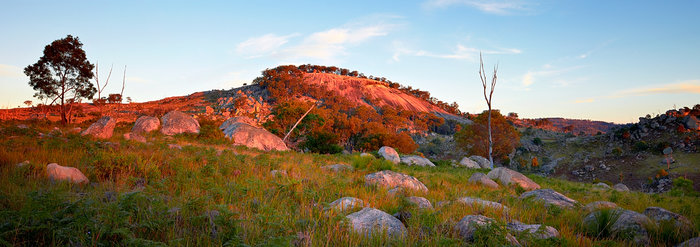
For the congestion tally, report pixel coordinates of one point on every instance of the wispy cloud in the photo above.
(548, 71)
(10, 71)
(263, 45)
(581, 101)
(503, 7)
(689, 87)
(461, 52)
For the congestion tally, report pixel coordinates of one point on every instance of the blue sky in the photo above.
(599, 60)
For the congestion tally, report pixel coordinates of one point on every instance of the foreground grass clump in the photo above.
(209, 194)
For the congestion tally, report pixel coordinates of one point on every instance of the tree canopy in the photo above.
(474, 138)
(62, 74)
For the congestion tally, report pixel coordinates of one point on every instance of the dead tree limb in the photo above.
(488, 97)
(121, 95)
(299, 121)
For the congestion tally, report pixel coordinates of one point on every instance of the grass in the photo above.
(210, 193)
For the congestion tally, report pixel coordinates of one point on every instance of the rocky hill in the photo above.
(564, 125)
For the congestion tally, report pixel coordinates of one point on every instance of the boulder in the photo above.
(537, 231)
(693, 242)
(242, 133)
(56, 172)
(101, 129)
(483, 162)
(346, 203)
(389, 154)
(370, 221)
(691, 123)
(419, 202)
(597, 205)
(469, 163)
(507, 176)
(628, 224)
(661, 216)
(416, 160)
(550, 197)
(338, 168)
(177, 122)
(145, 124)
(391, 179)
(477, 202)
(134, 137)
(601, 186)
(470, 223)
(480, 178)
(621, 187)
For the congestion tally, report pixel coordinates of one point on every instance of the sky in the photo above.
(612, 61)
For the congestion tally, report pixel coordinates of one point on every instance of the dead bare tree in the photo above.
(97, 79)
(488, 95)
(121, 95)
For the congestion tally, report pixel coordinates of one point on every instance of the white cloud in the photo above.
(10, 71)
(689, 86)
(531, 77)
(461, 52)
(503, 7)
(581, 101)
(263, 45)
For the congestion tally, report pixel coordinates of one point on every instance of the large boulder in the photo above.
(389, 154)
(477, 202)
(56, 172)
(101, 129)
(145, 124)
(419, 202)
(370, 221)
(507, 176)
(480, 178)
(483, 162)
(469, 163)
(177, 122)
(391, 179)
(346, 203)
(662, 216)
(629, 224)
(550, 197)
(416, 160)
(536, 230)
(242, 133)
(468, 225)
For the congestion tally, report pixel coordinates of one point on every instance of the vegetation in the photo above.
(505, 136)
(62, 74)
(209, 194)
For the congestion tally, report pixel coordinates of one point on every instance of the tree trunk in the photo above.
(490, 139)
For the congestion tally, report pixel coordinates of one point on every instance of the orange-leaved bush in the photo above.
(474, 138)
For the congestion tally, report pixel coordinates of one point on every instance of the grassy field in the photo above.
(209, 194)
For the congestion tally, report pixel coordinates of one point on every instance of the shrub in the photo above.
(537, 141)
(322, 142)
(473, 137)
(600, 226)
(617, 151)
(640, 146)
(683, 187)
(661, 173)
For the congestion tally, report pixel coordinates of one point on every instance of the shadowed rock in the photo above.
(507, 176)
(601, 186)
(597, 205)
(134, 137)
(389, 154)
(483, 162)
(346, 203)
(56, 172)
(628, 224)
(419, 202)
(693, 242)
(177, 122)
(660, 215)
(621, 187)
(101, 129)
(469, 163)
(242, 133)
(338, 168)
(550, 197)
(480, 178)
(477, 202)
(369, 221)
(391, 179)
(468, 225)
(536, 230)
(145, 124)
(416, 160)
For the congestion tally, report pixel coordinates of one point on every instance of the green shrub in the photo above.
(600, 226)
(683, 187)
(322, 142)
(617, 151)
(537, 141)
(640, 146)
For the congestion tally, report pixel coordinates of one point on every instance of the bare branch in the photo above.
(299, 121)
(123, 83)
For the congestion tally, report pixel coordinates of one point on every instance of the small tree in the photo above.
(62, 74)
(28, 103)
(505, 136)
(487, 97)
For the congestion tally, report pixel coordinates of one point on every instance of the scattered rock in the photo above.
(550, 197)
(366, 155)
(470, 223)
(629, 223)
(602, 186)
(22, 126)
(468, 163)
(419, 202)
(389, 154)
(174, 146)
(338, 168)
(483, 162)
(661, 215)
(346, 203)
(482, 203)
(241, 132)
(145, 124)
(507, 176)
(693, 242)
(391, 179)
(403, 216)
(134, 137)
(370, 221)
(101, 129)
(276, 173)
(395, 191)
(177, 122)
(480, 178)
(536, 231)
(442, 203)
(621, 187)
(597, 205)
(416, 160)
(56, 172)
(691, 122)
(22, 164)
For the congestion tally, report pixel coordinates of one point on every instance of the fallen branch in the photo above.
(299, 121)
